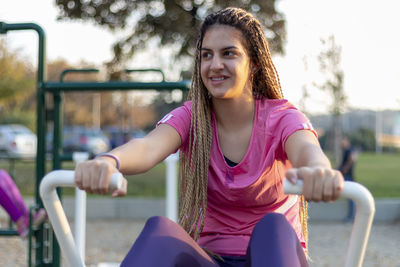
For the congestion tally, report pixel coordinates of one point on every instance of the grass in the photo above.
(150, 184)
(379, 173)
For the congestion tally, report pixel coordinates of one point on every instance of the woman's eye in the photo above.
(229, 53)
(206, 55)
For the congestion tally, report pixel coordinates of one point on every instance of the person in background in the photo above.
(13, 203)
(346, 167)
(238, 140)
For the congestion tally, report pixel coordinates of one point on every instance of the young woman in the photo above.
(238, 140)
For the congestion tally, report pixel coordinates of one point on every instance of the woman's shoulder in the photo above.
(185, 108)
(187, 105)
(180, 114)
(268, 106)
(278, 112)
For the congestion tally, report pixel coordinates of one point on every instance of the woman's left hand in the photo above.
(320, 184)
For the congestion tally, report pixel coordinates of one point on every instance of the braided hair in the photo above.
(194, 163)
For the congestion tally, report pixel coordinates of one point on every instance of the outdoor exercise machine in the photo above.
(365, 210)
(41, 242)
(171, 212)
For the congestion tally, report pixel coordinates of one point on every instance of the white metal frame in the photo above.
(365, 209)
(80, 209)
(56, 213)
(171, 163)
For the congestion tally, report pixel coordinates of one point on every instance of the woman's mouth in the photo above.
(218, 79)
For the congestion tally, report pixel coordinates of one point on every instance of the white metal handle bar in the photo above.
(365, 210)
(57, 215)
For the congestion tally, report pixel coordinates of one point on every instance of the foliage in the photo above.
(363, 139)
(18, 96)
(24, 117)
(164, 104)
(114, 108)
(329, 59)
(17, 91)
(171, 22)
(78, 106)
(14, 72)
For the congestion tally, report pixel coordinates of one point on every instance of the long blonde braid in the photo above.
(195, 163)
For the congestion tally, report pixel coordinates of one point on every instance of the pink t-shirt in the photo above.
(239, 196)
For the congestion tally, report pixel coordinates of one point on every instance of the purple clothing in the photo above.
(11, 199)
(165, 243)
(239, 196)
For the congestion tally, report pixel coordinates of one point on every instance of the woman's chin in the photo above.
(221, 96)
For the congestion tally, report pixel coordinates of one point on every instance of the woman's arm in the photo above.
(310, 164)
(136, 156)
(141, 154)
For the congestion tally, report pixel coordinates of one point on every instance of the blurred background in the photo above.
(338, 62)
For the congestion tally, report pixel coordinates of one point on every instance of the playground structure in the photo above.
(41, 241)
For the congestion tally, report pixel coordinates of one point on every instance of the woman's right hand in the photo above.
(94, 176)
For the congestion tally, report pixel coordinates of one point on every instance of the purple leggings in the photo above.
(10, 198)
(165, 243)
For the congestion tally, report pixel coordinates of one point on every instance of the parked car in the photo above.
(81, 139)
(119, 137)
(17, 141)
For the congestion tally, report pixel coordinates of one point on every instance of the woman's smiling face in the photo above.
(225, 64)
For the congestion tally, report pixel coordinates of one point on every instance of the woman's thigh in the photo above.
(163, 242)
(274, 243)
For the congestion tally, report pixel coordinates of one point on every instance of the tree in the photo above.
(364, 139)
(171, 22)
(17, 88)
(329, 59)
(110, 108)
(78, 107)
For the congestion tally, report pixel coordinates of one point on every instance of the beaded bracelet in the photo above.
(111, 156)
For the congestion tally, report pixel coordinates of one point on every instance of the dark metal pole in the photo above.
(147, 70)
(115, 85)
(40, 131)
(58, 118)
(84, 70)
(41, 76)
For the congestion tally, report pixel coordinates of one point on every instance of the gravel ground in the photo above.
(110, 240)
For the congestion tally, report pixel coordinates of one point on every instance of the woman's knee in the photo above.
(272, 221)
(161, 225)
(273, 225)
(157, 221)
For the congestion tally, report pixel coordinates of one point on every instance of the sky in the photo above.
(366, 30)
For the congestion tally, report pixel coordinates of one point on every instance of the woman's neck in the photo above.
(232, 114)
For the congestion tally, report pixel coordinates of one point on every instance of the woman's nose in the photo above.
(217, 63)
